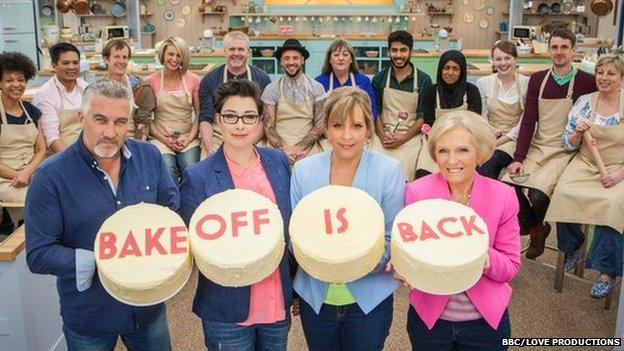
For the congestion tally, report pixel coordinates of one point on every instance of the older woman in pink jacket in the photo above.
(476, 319)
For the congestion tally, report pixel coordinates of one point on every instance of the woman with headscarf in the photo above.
(451, 92)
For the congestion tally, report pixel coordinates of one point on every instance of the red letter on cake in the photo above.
(344, 225)
(407, 232)
(257, 221)
(443, 231)
(176, 240)
(427, 233)
(328, 226)
(207, 236)
(130, 247)
(107, 245)
(236, 223)
(470, 226)
(152, 241)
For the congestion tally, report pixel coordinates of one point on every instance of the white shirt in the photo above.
(487, 86)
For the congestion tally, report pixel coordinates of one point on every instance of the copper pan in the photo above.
(601, 7)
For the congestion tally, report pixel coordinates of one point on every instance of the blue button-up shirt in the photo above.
(67, 201)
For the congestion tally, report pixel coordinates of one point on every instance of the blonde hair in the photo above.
(235, 35)
(340, 104)
(180, 45)
(482, 133)
(616, 60)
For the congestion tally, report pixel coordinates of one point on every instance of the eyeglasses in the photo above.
(231, 118)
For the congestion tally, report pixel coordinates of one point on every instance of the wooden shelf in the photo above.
(148, 14)
(97, 16)
(213, 13)
(440, 13)
(572, 14)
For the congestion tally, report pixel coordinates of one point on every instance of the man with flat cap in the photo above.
(294, 105)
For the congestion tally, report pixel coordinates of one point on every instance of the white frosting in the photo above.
(337, 257)
(247, 258)
(450, 264)
(138, 278)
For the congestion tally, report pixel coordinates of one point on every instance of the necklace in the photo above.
(461, 200)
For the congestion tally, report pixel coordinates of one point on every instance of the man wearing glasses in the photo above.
(294, 105)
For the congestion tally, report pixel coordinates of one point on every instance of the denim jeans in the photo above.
(605, 253)
(151, 337)
(474, 335)
(220, 336)
(176, 164)
(345, 328)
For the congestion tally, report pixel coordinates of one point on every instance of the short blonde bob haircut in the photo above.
(616, 60)
(180, 45)
(482, 133)
(340, 104)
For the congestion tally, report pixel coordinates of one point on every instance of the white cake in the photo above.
(138, 271)
(447, 259)
(238, 255)
(347, 252)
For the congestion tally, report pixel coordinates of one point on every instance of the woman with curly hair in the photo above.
(22, 146)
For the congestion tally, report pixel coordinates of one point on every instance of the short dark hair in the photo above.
(117, 44)
(57, 49)
(239, 87)
(17, 62)
(402, 37)
(563, 33)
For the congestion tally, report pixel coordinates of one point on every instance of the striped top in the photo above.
(460, 309)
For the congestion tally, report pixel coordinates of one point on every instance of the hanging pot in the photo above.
(601, 7)
(543, 9)
(63, 6)
(81, 7)
(117, 9)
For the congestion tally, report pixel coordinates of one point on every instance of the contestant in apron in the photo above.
(175, 128)
(340, 69)
(582, 195)
(294, 105)
(60, 97)
(502, 94)
(399, 88)
(540, 159)
(451, 92)
(116, 54)
(22, 146)
(237, 52)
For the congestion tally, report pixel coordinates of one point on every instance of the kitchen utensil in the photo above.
(47, 11)
(489, 11)
(468, 17)
(372, 53)
(50, 35)
(527, 5)
(186, 9)
(169, 15)
(479, 4)
(96, 8)
(483, 23)
(81, 7)
(63, 6)
(555, 7)
(567, 6)
(543, 9)
(601, 7)
(520, 177)
(117, 9)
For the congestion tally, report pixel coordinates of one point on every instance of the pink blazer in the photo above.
(497, 204)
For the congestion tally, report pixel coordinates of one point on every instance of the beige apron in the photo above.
(505, 116)
(17, 149)
(173, 112)
(294, 121)
(579, 196)
(547, 158)
(131, 126)
(396, 101)
(425, 161)
(69, 127)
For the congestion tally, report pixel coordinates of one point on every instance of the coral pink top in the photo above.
(266, 301)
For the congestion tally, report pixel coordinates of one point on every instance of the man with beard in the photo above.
(237, 51)
(294, 105)
(398, 89)
(116, 54)
(59, 98)
(540, 158)
(69, 198)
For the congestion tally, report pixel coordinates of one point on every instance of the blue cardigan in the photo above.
(211, 176)
(382, 178)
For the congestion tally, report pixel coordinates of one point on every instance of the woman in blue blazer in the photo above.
(230, 321)
(356, 315)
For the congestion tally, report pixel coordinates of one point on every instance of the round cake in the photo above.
(237, 237)
(142, 254)
(439, 246)
(337, 233)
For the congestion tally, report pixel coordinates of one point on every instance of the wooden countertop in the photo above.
(13, 245)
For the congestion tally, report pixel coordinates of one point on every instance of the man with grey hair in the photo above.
(237, 51)
(70, 196)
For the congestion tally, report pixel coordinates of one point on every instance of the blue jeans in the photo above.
(474, 335)
(151, 337)
(605, 253)
(233, 337)
(176, 164)
(346, 327)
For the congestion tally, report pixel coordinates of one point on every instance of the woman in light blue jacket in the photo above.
(356, 315)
